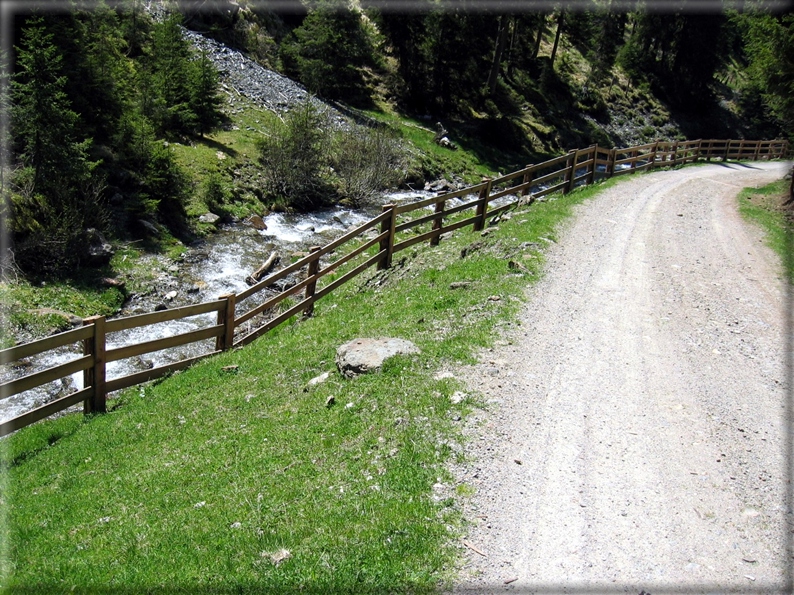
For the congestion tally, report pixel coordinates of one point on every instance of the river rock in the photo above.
(113, 282)
(362, 355)
(99, 249)
(149, 226)
(256, 222)
(209, 218)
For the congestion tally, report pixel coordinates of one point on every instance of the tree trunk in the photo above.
(560, 20)
(511, 49)
(257, 276)
(501, 38)
(541, 29)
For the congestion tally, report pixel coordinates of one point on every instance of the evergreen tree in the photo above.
(678, 53)
(169, 78)
(204, 98)
(770, 48)
(328, 51)
(54, 197)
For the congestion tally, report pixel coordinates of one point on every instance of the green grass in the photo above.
(195, 483)
(762, 206)
(21, 305)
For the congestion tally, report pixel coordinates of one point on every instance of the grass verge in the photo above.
(763, 206)
(235, 476)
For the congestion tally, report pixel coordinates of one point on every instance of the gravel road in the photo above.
(635, 437)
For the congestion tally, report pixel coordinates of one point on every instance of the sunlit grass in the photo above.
(763, 207)
(203, 481)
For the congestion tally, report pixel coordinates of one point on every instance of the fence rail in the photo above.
(372, 244)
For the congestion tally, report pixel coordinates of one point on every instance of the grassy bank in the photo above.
(763, 206)
(234, 476)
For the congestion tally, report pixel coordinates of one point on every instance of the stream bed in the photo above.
(213, 267)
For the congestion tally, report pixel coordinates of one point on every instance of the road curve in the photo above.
(635, 438)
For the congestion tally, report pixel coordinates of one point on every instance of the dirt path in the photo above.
(635, 439)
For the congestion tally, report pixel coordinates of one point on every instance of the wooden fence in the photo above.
(372, 244)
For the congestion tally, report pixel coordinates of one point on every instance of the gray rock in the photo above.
(99, 249)
(209, 218)
(361, 356)
(318, 379)
(149, 226)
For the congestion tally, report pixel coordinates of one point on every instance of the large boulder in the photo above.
(361, 356)
(99, 249)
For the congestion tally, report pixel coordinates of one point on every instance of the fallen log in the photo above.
(257, 275)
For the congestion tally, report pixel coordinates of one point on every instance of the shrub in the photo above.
(366, 162)
(294, 155)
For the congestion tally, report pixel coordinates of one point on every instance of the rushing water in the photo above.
(214, 267)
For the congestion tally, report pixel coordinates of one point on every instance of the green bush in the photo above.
(294, 155)
(366, 162)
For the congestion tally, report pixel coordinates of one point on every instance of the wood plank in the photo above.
(352, 274)
(551, 162)
(447, 213)
(29, 417)
(18, 352)
(277, 276)
(496, 210)
(121, 324)
(511, 190)
(420, 204)
(158, 344)
(511, 176)
(548, 178)
(154, 373)
(271, 324)
(449, 228)
(14, 387)
(551, 189)
(272, 302)
(348, 257)
(634, 159)
(415, 222)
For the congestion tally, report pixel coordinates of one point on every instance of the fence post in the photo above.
(757, 150)
(314, 266)
(438, 222)
(613, 155)
(727, 150)
(95, 375)
(528, 179)
(570, 175)
(226, 318)
(653, 155)
(697, 151)
(482, 205)
(592, 172)
(387, 243)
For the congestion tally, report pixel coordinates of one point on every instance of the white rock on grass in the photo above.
(361, 356)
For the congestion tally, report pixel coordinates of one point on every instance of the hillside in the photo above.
(144, 126)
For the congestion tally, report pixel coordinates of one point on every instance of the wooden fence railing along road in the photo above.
(386, 233)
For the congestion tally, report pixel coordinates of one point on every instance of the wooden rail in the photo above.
(372, 244)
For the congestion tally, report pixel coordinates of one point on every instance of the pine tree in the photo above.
(43, 123)
(169, 77)
(55, 195)
(204, 98)
(327, 52)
